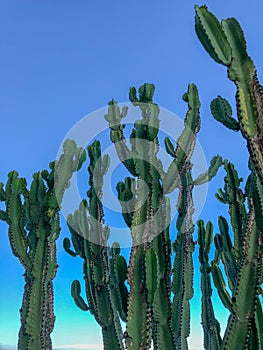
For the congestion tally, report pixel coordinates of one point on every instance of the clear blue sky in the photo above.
(61, 60)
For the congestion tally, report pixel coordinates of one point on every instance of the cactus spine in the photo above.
(33, 219)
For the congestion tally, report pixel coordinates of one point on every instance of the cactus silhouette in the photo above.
(33, 219)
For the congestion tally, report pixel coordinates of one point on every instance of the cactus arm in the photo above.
(236, 39)
(212, 36)
(183, 264)
(33, 219)
(75, 293)
(126, 191)
(114, 117)
(242, 71)
(118, 278)
(70, 161)
(235, 198)
(66, 246)
(228, 257)
(186, 141)
(16, 187)
(212, 338)
(89, 236)
(242, 264)
(215, 164)
(221, 286)
(239, 323)
(243, 319)
(222, 112)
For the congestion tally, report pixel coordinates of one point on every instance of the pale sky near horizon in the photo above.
(62, 60)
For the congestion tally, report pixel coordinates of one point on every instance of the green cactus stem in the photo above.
(33, 219)
(182, 286)
(211, 327)
(242, 260)
(152, 314)
(105, 270)
(225, 43)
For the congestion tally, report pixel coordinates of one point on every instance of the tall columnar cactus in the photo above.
(225, 43)
(33, 219)
(152, 315)
(211, 327)
(149, 264)
(104, 270)
(242, 260)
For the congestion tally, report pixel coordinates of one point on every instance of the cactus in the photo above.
(104, 269)
(153, 316)
(225, 43)
(242, 260)
(149, 263)
(33, 219)
(212, 338)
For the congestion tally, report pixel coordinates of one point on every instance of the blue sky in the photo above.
(61, 60)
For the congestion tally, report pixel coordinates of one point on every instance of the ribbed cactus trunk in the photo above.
(242, 261)
(211, 327)
(149, 263)
(104, 269)
(152, 316)
(225, 43)
(33, 219)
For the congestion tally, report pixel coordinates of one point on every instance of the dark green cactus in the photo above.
(33, 219)
(225, 43)
(242, 260)
(105, 270)
(153, 316)
(212, 338)
(146, 216)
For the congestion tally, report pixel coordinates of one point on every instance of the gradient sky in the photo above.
(61, 60)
